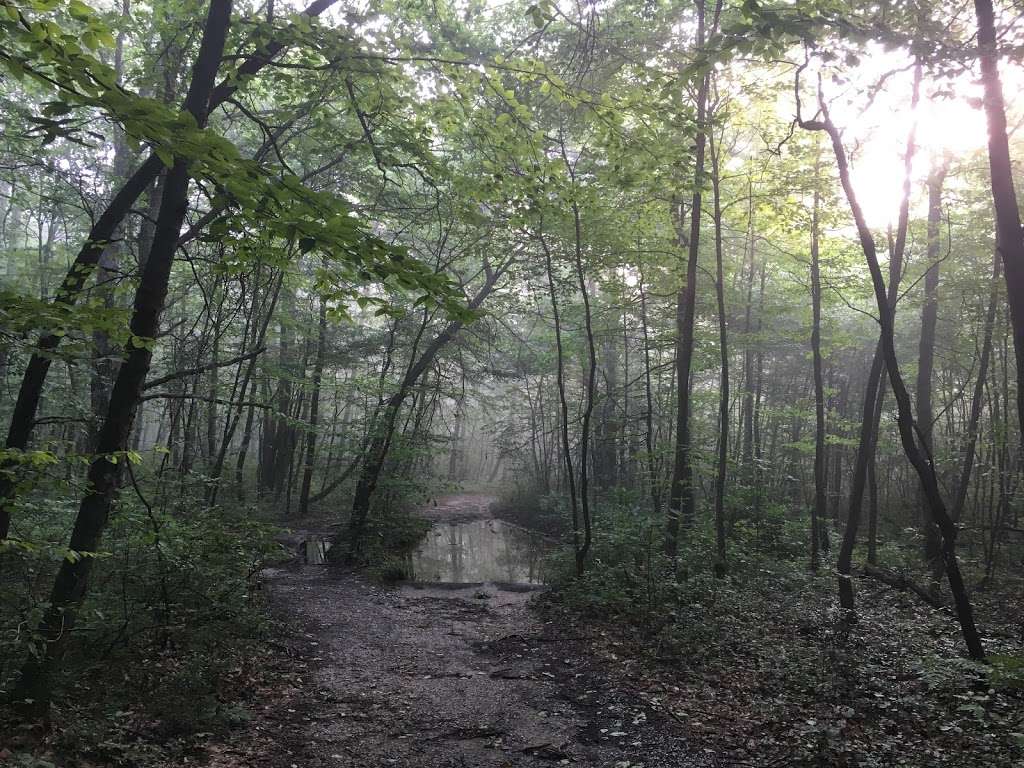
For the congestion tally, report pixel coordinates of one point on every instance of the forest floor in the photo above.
(442, 676)
(432, 676)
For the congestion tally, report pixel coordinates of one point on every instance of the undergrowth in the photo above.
(169, 637)
(762, 665)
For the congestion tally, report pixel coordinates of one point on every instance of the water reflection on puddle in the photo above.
(464, 553)
(479, 550)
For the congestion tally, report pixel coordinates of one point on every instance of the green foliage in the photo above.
(762, 653)
(529, 507)
(390, 537)
(175, 611)
(1006, 671)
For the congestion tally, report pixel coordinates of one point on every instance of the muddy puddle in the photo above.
(466, 552)
(479, 551)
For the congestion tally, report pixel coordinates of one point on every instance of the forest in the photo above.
(489, 383)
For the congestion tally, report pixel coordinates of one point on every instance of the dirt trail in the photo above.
(432, 677)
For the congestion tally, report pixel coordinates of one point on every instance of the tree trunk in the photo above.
(905, 420)
(103, 230)
(682, 499)
(747, 416)
(869, 424)
(723, 346)
(570, 472)
(818, 509)
(926, 347)
(873, 503)
(977, 399)
(649, 438)
(591, 383)
(1009, 236)
(71, 583)
(243, 389)
(314, 411)
(382, 430)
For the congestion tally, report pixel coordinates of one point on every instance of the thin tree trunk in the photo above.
(978, 398)
(682, 499)
(926, 347)
(649, 438)
(314, 411)
(570, 472)
(211, 412)
(818, 509)
(588, 409)
(382, 430)
(723, 345)
(748, 355)
(869, 425)
(758, 381)
(873, 504)
(242, 389)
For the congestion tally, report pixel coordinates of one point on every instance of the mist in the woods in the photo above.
(490, 384)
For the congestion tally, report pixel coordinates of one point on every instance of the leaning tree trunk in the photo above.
(905, 416)
(382, 431)
(926, 347)
(869, 424)
(72, 581)
(1009, 236)
(23, 417)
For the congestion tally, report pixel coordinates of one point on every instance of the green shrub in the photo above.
(174, 607)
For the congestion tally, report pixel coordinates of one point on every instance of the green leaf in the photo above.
(165, 155)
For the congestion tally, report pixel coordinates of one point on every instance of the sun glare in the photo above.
(950, 121)
(947, 124)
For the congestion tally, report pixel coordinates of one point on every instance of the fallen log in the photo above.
(903, 582)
